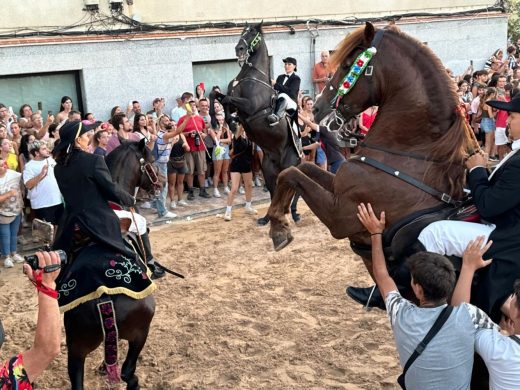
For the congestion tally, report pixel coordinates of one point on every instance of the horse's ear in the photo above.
(369, 34)
(247, 25)
(259, 25)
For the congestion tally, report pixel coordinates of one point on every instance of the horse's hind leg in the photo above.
(307, 180)
(128, 371)
(135, 329)
(80, 342)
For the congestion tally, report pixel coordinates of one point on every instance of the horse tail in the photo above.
(110, 337)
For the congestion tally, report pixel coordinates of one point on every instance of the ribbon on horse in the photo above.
(354, 73)
(96, 271)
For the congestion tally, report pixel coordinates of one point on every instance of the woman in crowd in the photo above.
(10, 213)
(16, 137)
(54, 135)
(25, 117)
(240, 168)
(487, 123)
(100, 141)
(8, 155)
(222, 137)
(142, 130)
(65, 107)
(311, 130)
(24, 156)
(115, 110)
(177, 169)
(199, 92)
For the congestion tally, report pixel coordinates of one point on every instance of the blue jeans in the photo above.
(160, 201)
(8, 234)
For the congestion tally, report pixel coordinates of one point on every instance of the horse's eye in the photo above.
(141, 160)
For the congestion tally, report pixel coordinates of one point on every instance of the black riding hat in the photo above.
(70, 131)
(512, 106)
(290, 60)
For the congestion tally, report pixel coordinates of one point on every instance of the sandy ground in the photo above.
(245, 317)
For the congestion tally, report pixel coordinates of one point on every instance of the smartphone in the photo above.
(188, 108)
(49, 113)
(471, 62)
(40, 105)
(11, 112)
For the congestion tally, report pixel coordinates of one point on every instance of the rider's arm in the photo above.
(471, 262)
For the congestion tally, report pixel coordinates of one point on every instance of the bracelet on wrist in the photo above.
(375, 234)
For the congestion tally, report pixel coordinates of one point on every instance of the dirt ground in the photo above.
(245, 317)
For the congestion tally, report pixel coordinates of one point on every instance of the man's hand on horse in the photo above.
(477, 160)
(369, 220)
(472, 257)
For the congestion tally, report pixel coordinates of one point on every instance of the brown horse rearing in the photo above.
(418, 131)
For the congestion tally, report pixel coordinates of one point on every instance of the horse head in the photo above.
(131, 165)
(349, 61)
(250, 42)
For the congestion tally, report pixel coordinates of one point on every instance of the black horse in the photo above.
(130, 167)
(252, 96)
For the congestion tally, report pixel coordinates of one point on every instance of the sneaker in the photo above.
(182, 203)
(173, 205)
(206, 183)
(16, 258)
(241, 190)
(191, 196)
(265, 189)
(250, 210)
(8, 263)
(168, 215)
(227, 216)
(216, 193)
(146, 205)
(257, 182)
(226, 190)
(203, 193)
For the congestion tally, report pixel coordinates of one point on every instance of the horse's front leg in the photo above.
(241, 104)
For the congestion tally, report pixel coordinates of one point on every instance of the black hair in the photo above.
(434, 273)
(52, 129)
(63, 100)
(113, 111)
(516, 292)
(20, 111)
(186, 95)
(117, 119)
(136, 127)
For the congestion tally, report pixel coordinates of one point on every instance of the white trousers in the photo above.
(291, 104)
(139, 219)
(450, 238)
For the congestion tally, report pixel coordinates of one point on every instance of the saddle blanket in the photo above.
(96, 271)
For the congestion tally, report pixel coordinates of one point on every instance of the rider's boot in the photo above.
(274, 118)
(371, 297)
(157, 272)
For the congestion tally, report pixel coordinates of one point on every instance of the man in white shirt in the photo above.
(43, 190)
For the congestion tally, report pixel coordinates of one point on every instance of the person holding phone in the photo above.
(21, 370)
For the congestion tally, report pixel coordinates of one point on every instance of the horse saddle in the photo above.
(399, 238)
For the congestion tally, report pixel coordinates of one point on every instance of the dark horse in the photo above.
(419, 131)
(133, 316)
(252, 95)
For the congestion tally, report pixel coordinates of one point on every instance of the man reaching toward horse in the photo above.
(446, 361)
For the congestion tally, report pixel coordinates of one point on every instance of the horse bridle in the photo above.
(147, 169)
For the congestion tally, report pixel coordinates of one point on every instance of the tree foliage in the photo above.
(513, 7)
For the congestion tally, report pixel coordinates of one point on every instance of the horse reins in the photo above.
(147, 168)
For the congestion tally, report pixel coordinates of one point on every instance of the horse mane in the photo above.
(451, 137)
(118, 158)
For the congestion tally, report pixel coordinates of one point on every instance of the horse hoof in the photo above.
(281, 242)
(262, 221)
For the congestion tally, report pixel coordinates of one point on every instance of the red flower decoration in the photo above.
(346, 84)
(112, 263)
(360, 62)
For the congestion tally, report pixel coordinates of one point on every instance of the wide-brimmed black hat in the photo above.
(512, 106)
(290, 60)
(70, 131)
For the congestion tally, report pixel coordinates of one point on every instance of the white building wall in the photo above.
(115, 72)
